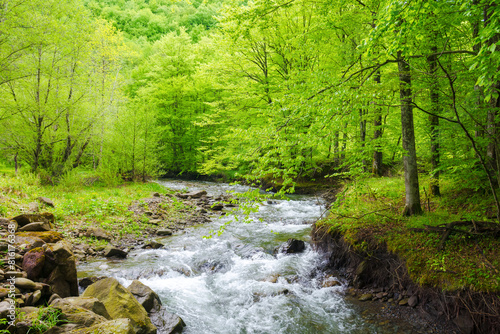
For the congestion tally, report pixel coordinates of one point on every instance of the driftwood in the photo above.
(476, 228)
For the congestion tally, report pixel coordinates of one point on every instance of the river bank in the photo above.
(448, 277)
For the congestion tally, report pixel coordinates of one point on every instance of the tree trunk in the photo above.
(362, 135)
(412, 203)
(434, 122)
(377, 133)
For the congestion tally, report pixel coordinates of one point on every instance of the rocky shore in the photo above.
(39, 288)
(375, 275)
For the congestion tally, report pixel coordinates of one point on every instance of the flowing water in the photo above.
(234, 284)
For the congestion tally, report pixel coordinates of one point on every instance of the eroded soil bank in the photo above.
(378, 276)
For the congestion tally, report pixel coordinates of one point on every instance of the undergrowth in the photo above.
(369, 214)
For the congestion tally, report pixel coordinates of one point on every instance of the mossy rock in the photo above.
(120, 303)
(77, 315)
(117, 326)
(49, 237)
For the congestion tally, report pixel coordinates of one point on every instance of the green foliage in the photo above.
(47, 317)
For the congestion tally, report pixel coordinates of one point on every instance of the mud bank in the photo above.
(379, 276)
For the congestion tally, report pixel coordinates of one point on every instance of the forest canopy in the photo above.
(281, 90)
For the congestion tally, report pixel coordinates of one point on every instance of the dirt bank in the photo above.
(377, 275)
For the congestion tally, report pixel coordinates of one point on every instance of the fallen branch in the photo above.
(476, 228)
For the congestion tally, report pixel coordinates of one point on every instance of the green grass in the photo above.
(79, 205)
(368, 213)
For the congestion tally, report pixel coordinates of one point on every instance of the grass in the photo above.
(368, 213)
(78, 205)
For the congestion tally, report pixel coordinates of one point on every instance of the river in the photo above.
(235, 284)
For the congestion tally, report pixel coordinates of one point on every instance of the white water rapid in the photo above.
(233, 283)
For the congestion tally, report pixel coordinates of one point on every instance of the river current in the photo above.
(233, 283)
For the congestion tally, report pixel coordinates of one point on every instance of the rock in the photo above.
(98, 233)
(50, 237)
(53, 297)
(13, 274)
(36, 297)
(291, 246)
(91, 304)
(6, 308)
(155, 222)
(23, 327)
(62, 266)
(33, 207)
(156, 195)
(46, 201)
(167, 322)
(27, 218)
(153, 245)
(365, 297)
(330, 283)
(166, 231)
(24, 283)
(380, 295)
(3, 292)
(144, 295)
(86, 281)
(403, 302)
(194, 194)
(117, 326)
(413, 301)
(77, 315)
(217, 206)
(28, 242)
(120, 303)
(64, 329)
(36, 227)
(111, 251)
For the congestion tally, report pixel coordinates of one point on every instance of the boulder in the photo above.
(120, 303)
(291, 246)
(36, 227)
(98, 233)
(46, 201)
(193, 194)
(117, 326)
(75, 314)
(64, 329)
(166, 322)
(33, 262)
(91, 304)
(62, 266)
(144, 295)
(111, 251)
(28, 242)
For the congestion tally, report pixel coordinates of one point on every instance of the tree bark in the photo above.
(412, 203)
(434, 123)
(377, 133)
